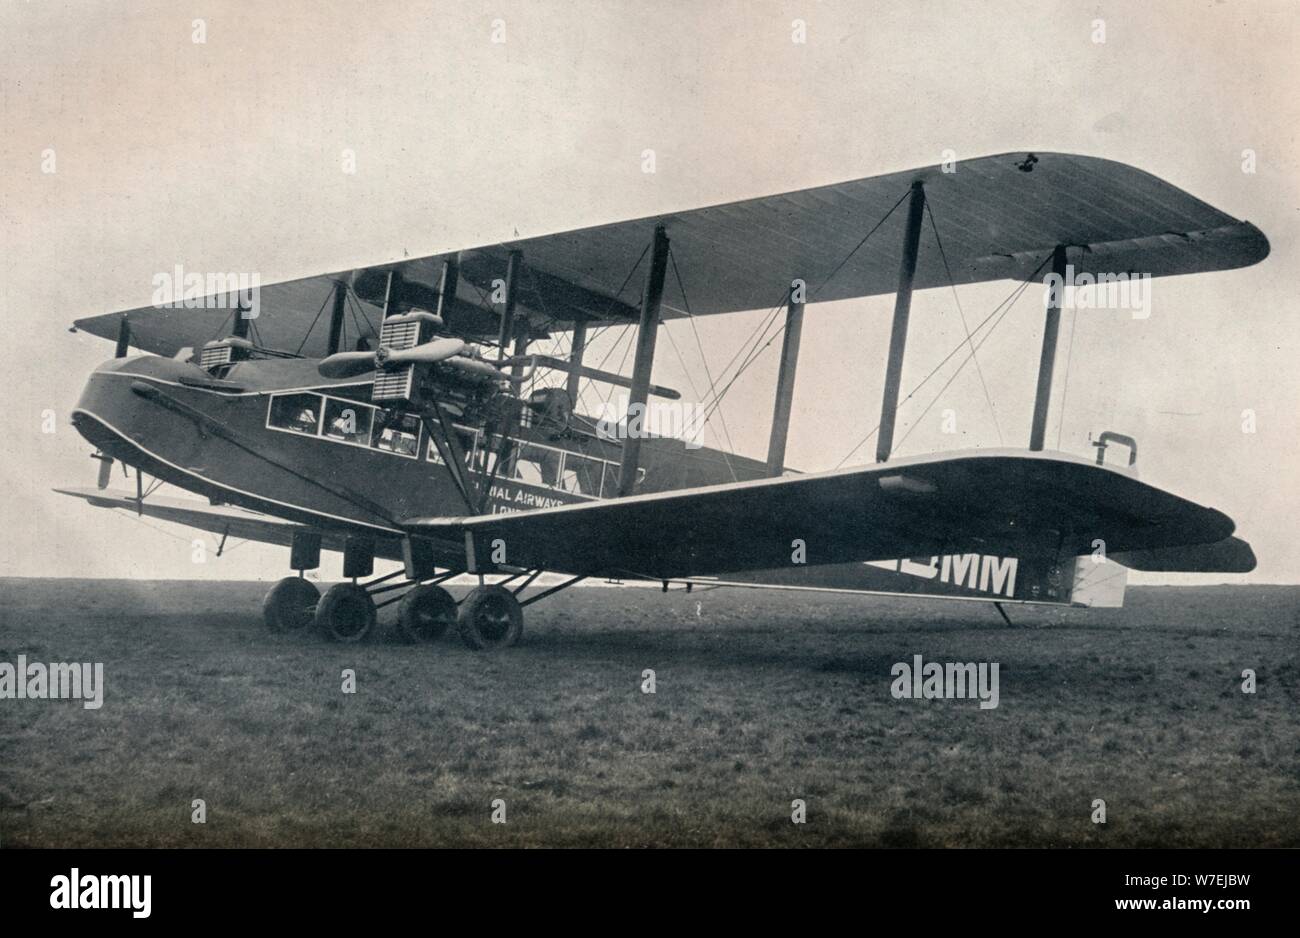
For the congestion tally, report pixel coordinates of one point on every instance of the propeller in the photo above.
(348, 364)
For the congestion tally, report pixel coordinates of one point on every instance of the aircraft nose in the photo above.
(106, 412)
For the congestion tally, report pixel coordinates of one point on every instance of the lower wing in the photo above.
(994, 502)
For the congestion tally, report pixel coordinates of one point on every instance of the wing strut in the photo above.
(507, 425)
(785, 381)
(452, 455)
(898, 334)
(336, 315)
(1047, 358)
(513, 273)
(577, 347)
(647, 330)
(447, 287)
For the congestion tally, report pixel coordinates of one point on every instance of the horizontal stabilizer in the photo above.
(220, 519)
(1230, 555)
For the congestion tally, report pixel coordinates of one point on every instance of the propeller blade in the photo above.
(346, 364)
(429, 353)
(123, 338)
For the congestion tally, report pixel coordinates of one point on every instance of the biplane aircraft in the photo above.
(420, 423)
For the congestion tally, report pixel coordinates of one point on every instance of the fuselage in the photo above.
(274, 436)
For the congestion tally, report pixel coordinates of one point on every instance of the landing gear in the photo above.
(290, 604)
(425, 613)
(490, 618)
(346, 613)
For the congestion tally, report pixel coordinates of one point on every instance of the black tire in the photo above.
(490, 618)
(425, 614)
(346, 613)
(290, 605)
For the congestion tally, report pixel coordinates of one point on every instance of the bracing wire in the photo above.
(708, 373)
(1011, 299)
(298, 350)
(759, 345)
(960, 312)
(1065, 384)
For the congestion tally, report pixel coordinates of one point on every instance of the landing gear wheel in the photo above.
(425, 614)
(346, 613)
(290, 604)
(490, 618)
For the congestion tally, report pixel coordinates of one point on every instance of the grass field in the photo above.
(762, 697)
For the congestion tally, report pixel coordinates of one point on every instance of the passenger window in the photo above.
(485, 458)
(395, 432)
(347, 421)
(609, 486)
(582, 475)
(299, 413)
(537, 465)
(465, 437)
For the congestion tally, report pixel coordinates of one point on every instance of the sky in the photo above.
(130, 147)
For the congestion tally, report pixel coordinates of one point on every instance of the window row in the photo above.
(545, 466)
(346, 421)
(358, 424)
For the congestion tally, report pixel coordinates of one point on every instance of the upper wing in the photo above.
(998, 217)
(284, 321)
(990, 502)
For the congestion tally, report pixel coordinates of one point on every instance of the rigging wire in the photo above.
(324, 303)
(533, 376)
(690, 316)
(726, 453)
(600, 331)
(758, 333)
(610, 392)
(604, 398)
(371, 326)
(128, 513)
(756, 337)
(354, 304)
(758, 351)
(917, 422)
(848, 256)
(221, 329)
(753, 357)
(1065, 384)
(960, 312)
(1010, 299)
(131, 514)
